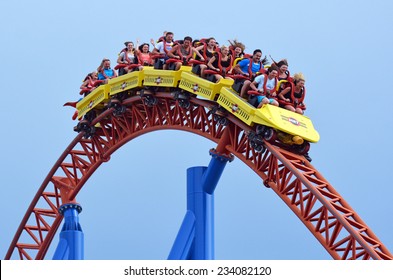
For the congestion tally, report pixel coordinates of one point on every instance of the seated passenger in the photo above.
(237, 48)
(206, 50)
(249, 67)
(183, 52)
(89, 83)
(127, 57)
(144, 55)
(266, 85)
(105, 72)
(221, 63)
(162, 48)
(283, 73)
(292, 97)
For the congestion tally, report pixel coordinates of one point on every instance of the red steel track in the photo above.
(300, 186)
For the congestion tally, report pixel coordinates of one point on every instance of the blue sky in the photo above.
(134, 204)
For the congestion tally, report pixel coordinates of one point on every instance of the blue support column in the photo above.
(195, 239)
(214, 170)
(181, 248)
(71, 243)
(202, 205)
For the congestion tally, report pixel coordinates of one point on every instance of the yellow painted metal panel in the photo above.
(125, 82)
(232, 102)
(161, 78)
(287, 121)
(202, 87)
(95, 100)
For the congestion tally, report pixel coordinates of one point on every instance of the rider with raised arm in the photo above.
(162, 48)
(127, 57)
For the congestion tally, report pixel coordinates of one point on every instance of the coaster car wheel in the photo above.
(150, 100)
(182, 98)
(257, 148)
(260, 129)
(184, 103)
(223, 121)
(86, 127)
(81, 126)
(89, 132)
(148, 97)
(256, 142)
(119, 109)
(270, 134)
(303, 148)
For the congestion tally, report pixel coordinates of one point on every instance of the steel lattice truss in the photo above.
(315, 202)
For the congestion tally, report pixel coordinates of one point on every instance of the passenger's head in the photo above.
(238, 51)
(93, 75)
(129, 45)
(224, 49)
(282, 65)
(272, 71)
(196, 43)
(299, 79)
(256, 55)
(187, 41)
(238, 47)
(169, 36)
(106, 63)
(144, 47)
(211, 42)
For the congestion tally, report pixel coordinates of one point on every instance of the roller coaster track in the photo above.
(300, 186)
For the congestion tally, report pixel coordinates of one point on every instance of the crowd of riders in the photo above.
(254, 79)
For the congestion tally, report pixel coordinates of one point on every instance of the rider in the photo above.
(105, 72)
(208, 50)
(183, 52)
(249, 67)
(89, 83)
(265, 84)
(163, 47)
(292, 97)
(128, 57)
(221, 63)
(144, 55)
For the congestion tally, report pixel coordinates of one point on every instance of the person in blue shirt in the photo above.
(249, 67)
(105, 72)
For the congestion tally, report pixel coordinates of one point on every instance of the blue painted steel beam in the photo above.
(202, 205)
(195, 239)
(182, 246)
(214, 171)
(71, 243)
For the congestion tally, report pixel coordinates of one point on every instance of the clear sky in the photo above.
(134, 204)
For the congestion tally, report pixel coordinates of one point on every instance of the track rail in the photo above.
(300, 186)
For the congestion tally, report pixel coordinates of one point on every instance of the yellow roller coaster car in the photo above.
(269, 122)
(269, 115)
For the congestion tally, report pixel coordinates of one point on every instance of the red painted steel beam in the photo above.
(301, 187)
